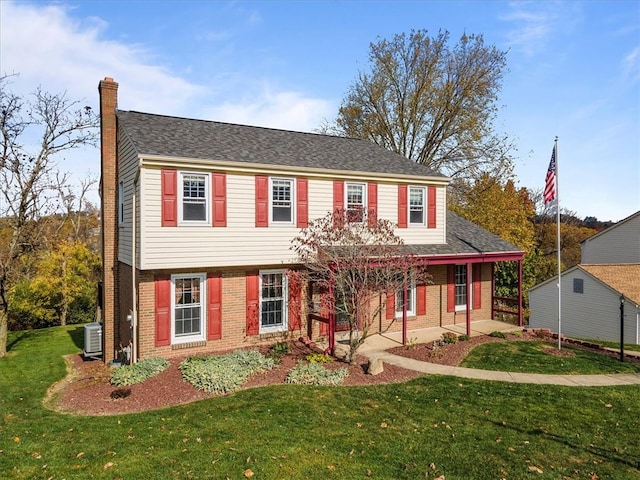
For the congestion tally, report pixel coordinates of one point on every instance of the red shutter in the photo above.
(431, 207)
(421, 294)
(214, 306)
(253, 297)
(302, 202)
(338, 200)
(295, 303)
(391, 305)
(451, 288)
(262, 201)
(169, 191)
(163, 310)
(372, 199)
(477, 285)
(219, 199)
(402, 206)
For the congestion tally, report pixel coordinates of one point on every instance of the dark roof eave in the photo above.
(472, 257)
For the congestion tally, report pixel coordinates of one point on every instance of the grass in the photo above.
(537, 357)
(616, 345)
(459, 428)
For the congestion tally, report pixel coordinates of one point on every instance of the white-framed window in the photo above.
(273, 301)
(411, 301)
(194, 196)
(355, 202)
(461, 287)
(188, 307)
(281, 201)
(121, 203)
(416, 205)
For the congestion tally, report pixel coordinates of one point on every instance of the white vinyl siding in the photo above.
(594, 314)
(618, 244)
(240, 243)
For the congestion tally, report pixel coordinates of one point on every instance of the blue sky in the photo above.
(573, 71)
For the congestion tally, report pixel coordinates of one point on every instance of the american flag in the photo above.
(550, 181)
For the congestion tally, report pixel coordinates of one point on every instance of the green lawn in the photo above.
(537, 357)
(459, 428)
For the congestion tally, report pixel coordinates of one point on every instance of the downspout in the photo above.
(469, 299)
(134, 289)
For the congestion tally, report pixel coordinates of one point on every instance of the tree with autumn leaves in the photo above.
(354, 265)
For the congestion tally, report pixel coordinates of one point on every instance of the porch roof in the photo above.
(468, 241)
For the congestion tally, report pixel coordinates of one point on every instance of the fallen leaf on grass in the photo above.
(79, 455)
(533, 468)
(108, 465)
(383, 425)
(248, 473)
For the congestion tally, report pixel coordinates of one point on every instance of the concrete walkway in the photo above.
(376, 345)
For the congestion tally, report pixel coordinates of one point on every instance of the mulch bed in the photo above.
(86, 389)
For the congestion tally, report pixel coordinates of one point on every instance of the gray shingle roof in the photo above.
(465, 238)
(200, 139)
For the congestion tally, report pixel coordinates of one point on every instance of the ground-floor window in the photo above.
(461, 287)
(273, 301)
(411, 301)
(188, 307)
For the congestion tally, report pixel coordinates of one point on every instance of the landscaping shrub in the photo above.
(315, 374)
(224, 373)
(449, 337)
(278, 350)
(319, 358)
(498, 334)
(138, 372)
(464, 337)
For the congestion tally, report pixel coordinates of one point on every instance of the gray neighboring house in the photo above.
(591, 291)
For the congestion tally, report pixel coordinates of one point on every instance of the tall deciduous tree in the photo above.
(356, 265)
(433, 103)
(33, 129)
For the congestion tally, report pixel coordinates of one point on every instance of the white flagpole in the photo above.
(555, 147)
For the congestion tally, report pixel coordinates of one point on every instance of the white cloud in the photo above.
(274, 109)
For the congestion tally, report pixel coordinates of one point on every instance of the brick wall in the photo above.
(108, 90)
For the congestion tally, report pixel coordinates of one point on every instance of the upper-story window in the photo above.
(356, 202)
(281, 200)
(194, 197)
(416, 205)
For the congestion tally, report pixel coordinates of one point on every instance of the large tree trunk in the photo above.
(3, 332)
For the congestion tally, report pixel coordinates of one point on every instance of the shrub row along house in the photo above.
(198, 219)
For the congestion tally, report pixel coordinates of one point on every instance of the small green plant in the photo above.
(315, 374)
(498, 334)
(278, 350)
(412, 343)
(224, 373)
(138, 372)
(319, 358)
(464, 337)
(517, 334)
(449, 337)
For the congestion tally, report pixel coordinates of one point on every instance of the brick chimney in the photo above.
(109, 214)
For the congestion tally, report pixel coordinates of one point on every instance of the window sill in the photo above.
(181, 346)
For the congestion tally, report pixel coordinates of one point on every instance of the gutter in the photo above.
(134, 289)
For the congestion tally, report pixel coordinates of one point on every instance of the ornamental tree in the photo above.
(33, 131)
(355, 265)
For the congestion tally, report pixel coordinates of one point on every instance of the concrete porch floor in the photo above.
(384, 341)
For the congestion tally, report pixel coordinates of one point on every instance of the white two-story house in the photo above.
(198, 218)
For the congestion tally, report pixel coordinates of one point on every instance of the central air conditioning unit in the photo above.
(93, 340)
